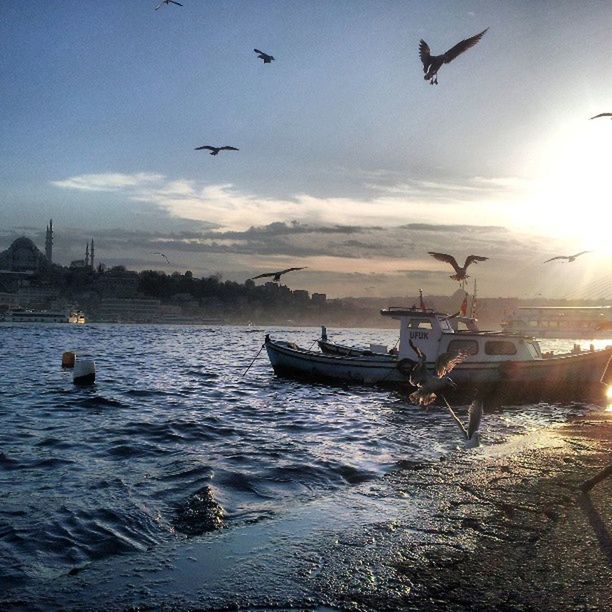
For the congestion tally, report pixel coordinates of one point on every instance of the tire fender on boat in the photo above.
(405, 366)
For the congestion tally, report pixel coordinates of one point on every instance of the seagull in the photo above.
(461, 274)
(433, 63)
(471, 435)
(163, 255)
(276, 275)
(168, 2)
(267, 59)
(602, 115)
(428, 384)
(215, 150)
(569, 258)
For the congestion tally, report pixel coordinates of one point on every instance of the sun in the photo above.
(572, 193)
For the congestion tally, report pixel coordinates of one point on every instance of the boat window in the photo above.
(500, 347)
(464, 346)
(420, 324)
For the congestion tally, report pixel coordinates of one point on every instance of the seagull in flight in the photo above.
(428, 384)
(461, 273)
(215, 150)
(470, 433)
(163, 255)
(276, 276)
(602, 115)
(267, 59)
(168, 2)
(569, 258)
(433, 63)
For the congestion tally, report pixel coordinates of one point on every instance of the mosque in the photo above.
(23, 257)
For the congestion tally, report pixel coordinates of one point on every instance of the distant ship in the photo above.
(21, 315)
(586, 322)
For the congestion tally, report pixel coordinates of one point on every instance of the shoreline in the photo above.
(511, 531)
(500, 527)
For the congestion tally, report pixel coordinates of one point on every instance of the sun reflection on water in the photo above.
(609, 398)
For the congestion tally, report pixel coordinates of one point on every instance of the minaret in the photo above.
(91, 257)
(87, 255)
(49, 241)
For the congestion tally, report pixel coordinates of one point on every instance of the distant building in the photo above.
(135, 310)
(319, 298)
(301, 295)
(23, 256)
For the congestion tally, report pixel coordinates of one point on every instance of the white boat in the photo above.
(501, 364)
(21, 315)
(586, 322)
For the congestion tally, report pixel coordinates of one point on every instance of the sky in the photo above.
(349, 162)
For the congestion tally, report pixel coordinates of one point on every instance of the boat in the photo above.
(587, 322)
(507, 365)
(21, 315)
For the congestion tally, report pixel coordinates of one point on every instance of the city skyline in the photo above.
(349, 163)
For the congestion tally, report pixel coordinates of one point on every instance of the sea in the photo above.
(180, 450)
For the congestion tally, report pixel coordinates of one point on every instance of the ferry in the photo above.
(578, 322)
(21, 315)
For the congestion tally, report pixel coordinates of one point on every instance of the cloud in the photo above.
(108, 182)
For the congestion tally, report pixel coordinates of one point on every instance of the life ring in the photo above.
(405, 366)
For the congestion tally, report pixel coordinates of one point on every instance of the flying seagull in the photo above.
(276, 275)
(163, 255)
(461, 274)
(168, 2)
(215, 150)
(470, 434)
(267, 59)
(569, 258)
(433, 63)
(428, 384)
(602, 115)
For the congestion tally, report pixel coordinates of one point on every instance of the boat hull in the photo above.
(567, 377)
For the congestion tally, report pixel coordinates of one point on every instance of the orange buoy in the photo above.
(68, 359)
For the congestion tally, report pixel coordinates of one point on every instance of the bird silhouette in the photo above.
(267, 59)
(428, 384)
(276, 276)
(433, 63)
(461, 274)
(602, 115)
(168, 2)
(163, 255)
(569, 258)
(470, 433)
(215, 150)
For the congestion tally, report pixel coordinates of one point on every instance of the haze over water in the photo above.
(91, 475)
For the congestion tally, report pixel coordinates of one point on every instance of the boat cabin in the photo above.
(435, 333)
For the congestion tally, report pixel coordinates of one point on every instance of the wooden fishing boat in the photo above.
(511, 366)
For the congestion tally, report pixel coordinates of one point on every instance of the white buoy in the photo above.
(84, 372)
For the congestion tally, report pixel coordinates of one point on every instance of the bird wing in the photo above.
(206, 147)
(177, 3)
(228, 149)
(601, 115)
(417, 350)
(464, 45)
(424, 54)
(447, 361)
(258, 51)
(447, 258)
(474, 418)
(581, 253)
(291, 270)
(558, 257)
(265, 274)
(473, 259)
